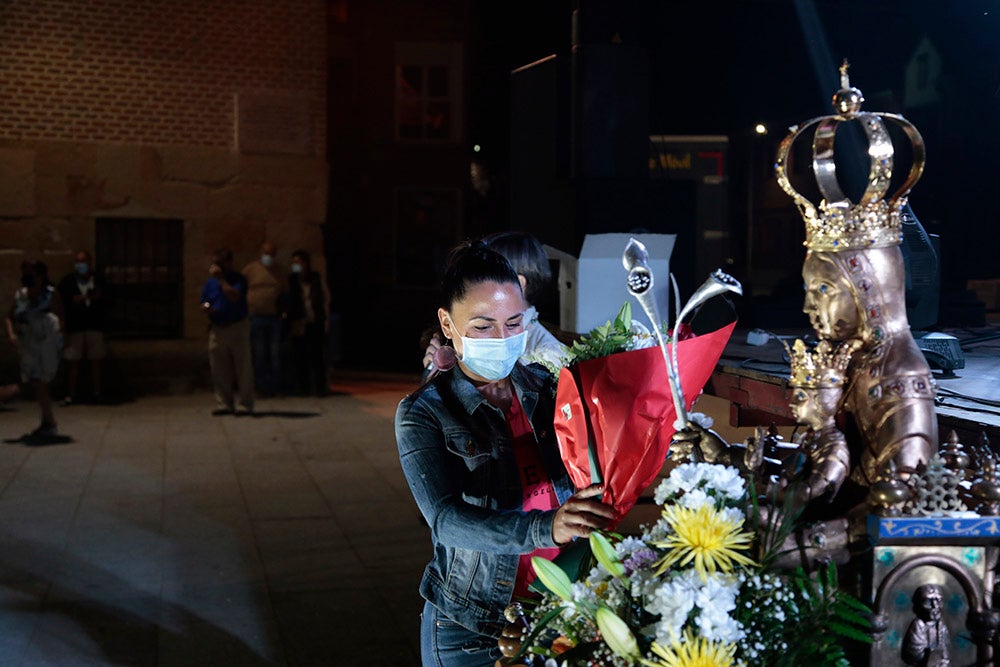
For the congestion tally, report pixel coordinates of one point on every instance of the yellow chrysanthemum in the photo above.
(691, 651)
(706, 537)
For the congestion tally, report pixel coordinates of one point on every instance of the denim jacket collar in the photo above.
(522, 379)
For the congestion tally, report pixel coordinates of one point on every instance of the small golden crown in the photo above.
(820, 366)
(837, 224)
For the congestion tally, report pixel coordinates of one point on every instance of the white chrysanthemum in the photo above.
(659, 531)
(719, 480)
(726, 481)
(715, 599)
(707, 603)
(694, 499)
(732, 515)
(674, 603)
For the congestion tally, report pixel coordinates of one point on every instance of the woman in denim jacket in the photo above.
(478, 449)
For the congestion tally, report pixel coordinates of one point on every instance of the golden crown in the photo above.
(820, 366)
(837, 224)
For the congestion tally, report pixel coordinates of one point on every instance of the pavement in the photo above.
(157, 534)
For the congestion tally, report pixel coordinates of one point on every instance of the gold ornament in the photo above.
(820, 366)
(853, 276)
(837, 224)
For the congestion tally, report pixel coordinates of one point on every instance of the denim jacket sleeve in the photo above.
(455, 481)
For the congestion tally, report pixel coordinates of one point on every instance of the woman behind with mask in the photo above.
(478, 449)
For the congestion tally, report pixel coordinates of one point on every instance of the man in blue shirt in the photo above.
(224, 300)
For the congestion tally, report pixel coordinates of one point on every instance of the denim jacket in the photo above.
(456, 453)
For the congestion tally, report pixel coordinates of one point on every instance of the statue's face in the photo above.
(930, 606)
(814, 407)
(829, 302)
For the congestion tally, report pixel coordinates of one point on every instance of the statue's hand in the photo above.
(829, 464)
(698, 443)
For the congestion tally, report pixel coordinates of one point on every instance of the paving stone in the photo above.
(161, 535)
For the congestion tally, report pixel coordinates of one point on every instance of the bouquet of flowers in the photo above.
(690, 591)
(615, 414)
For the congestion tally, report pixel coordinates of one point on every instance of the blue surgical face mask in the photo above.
(296, 268)
(82, 268)
(492, 358)
(267, 260)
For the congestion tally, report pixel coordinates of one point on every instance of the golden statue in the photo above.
(855, 291)
(817, 383)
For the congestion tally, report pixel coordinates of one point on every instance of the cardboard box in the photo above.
(592, 286)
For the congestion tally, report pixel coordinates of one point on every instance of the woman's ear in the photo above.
(446, 324)
(524, 282)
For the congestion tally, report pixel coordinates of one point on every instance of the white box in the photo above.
(592, 287)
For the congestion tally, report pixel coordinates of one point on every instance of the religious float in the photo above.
(865, 540)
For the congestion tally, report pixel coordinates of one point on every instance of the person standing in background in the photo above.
(82, 294)
(224, 300)
(34, 326)
(266, 302)
(308, 320)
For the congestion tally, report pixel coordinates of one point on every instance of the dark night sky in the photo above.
(719, 67)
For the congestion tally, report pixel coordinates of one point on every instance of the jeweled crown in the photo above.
(836, 224)
(820, 366)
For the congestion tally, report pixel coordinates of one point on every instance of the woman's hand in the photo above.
(579, 515)
(432, 347)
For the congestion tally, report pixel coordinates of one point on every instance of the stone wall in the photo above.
(51, 193)
(208, 112)
(155, 71)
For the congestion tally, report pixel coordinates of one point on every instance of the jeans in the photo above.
(454, 448)
(265, 341)
(445, 643)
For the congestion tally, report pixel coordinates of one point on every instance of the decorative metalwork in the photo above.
(936, 490)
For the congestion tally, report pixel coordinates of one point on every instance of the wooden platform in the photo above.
(755, 381)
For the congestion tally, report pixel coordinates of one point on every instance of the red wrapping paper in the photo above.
(631, 410)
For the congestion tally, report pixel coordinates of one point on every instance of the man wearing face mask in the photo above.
(266, 304)
(308, 325)
(82, 293)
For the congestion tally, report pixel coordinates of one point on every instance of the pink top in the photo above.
(536, 487)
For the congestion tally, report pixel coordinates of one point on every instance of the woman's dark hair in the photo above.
(38, 271)
(470, 264)
(526, 255)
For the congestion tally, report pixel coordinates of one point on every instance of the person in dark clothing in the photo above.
(308, 321)
(82, 294)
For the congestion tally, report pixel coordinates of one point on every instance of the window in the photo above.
(141, 261)
(428, 92)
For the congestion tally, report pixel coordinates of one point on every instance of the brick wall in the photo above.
(128, 109)
(153, 71)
